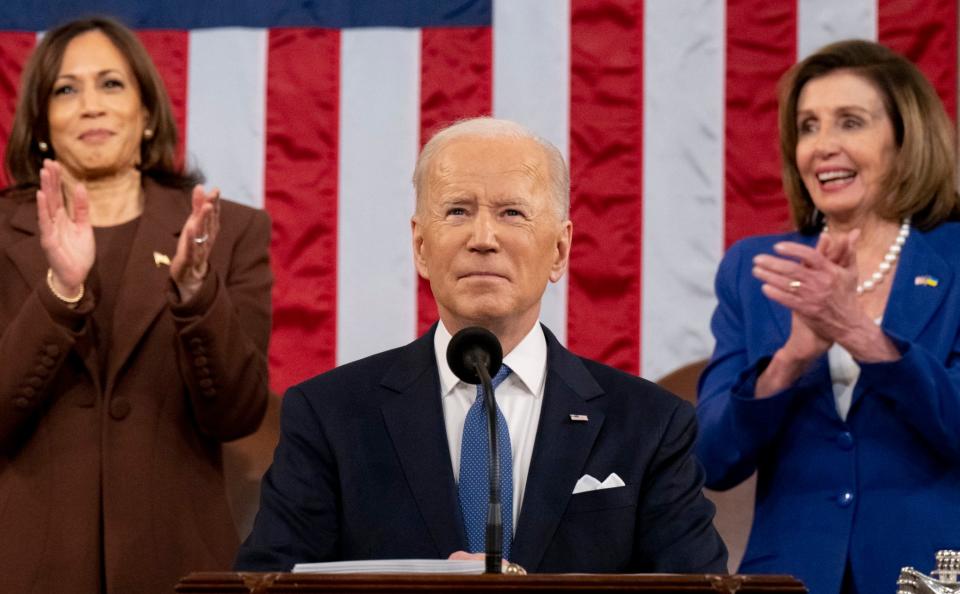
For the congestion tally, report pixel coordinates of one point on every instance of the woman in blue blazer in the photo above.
(836, 373)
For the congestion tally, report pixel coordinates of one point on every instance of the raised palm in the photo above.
(66, 234)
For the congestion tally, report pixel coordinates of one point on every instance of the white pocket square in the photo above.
(588, 483)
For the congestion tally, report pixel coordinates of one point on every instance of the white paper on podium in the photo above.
(460, 567)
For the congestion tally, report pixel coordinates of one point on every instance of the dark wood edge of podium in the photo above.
(275, 583)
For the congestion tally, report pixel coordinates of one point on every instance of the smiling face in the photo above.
(487, 234)
(845, 144)
(95, 113)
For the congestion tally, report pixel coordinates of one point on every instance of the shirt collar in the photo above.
(528, 360)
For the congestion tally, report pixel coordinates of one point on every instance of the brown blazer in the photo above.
(118, 487)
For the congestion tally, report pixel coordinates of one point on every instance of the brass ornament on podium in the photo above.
(943, 579)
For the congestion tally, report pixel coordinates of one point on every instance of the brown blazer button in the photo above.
(21, 402)
(203, 371)
(47, 361)
(41, 371)
(35, 381)
(206, 383)
(196, 341)
(27, 391)
(200, 361)
(52, 350)
(209, 392)
(119, 408)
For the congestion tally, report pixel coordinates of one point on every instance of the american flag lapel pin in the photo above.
(925, 280)
(579, 418)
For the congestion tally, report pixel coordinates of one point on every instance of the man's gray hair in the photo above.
(487, 127)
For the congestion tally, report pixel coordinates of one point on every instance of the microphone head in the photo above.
(470, 346)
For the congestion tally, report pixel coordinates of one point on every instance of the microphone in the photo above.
(474, 354)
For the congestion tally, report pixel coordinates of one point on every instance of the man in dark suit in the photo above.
(373, 456)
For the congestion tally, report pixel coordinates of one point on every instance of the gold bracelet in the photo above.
(68, 300)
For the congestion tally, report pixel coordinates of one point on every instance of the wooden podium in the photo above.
(303, 583)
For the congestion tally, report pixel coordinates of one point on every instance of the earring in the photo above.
(43, 146)
(148, 133)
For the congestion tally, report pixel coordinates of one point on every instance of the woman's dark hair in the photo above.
(922, 183)
(24, 158)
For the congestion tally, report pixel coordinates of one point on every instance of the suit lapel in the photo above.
(142, 293)
(912, 306)
(414, 420)
(559, 452)
(27, 254)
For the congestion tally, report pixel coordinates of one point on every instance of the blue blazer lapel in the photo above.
(559, 452)
(911, 307)
(414, 420)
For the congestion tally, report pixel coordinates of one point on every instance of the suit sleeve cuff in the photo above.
(60, 312)
(197, 305)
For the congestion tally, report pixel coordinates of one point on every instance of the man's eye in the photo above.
(456, 211)
(513, 212)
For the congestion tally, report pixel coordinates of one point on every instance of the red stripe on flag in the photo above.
(456, 80)
(15, 48)
(302, 142)
(170, 51)
(606, 158)
(926, 33)
(761, 46)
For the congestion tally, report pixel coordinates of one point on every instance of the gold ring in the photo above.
(794, 285)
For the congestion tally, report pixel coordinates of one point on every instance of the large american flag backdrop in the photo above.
(315, 111)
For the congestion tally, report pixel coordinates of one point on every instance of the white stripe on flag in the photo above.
(683, 129)
(379, 126)
(225, 110)
(820, 22)
(531, 85)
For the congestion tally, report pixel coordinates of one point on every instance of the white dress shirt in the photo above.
(519, 397)
(844, 373)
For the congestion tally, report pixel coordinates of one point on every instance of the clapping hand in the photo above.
(819, 286)
(66, 234)
(191, 262)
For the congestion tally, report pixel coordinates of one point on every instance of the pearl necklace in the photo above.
(889, 259)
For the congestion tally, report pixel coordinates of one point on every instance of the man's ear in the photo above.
(562, 256)
(418, 260)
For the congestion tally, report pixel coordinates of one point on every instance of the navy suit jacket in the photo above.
(880, 489)
(363, 471)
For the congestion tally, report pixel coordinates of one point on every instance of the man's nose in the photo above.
(483, 236)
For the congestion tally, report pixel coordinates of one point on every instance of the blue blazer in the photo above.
(362, 471)
(880, 490)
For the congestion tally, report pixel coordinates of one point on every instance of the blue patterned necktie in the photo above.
(474, 482)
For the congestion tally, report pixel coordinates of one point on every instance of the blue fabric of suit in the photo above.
(363, 471)
(897, 455)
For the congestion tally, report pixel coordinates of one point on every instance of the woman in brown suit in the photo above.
(134, 319)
